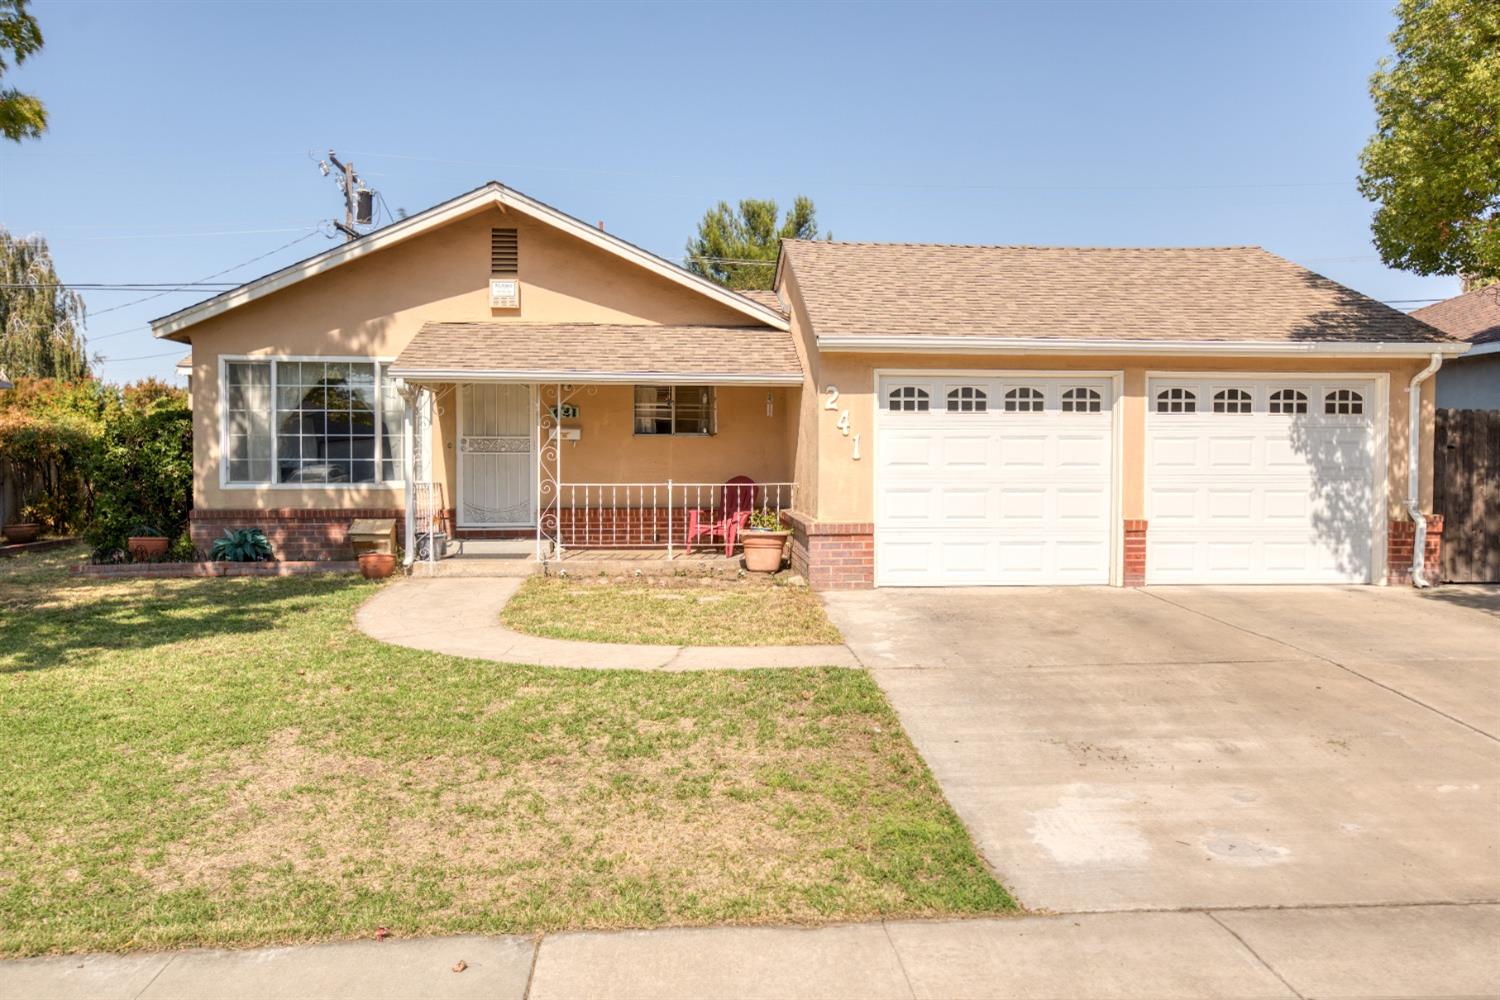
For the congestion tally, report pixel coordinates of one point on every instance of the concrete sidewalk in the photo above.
(462, 617)
(1373, 952)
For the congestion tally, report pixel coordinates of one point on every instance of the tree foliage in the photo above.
(49, 435)
(1433, 165)
(142, 470)
(738, 247)
(41, 326)
(22, 116)
(100, 459)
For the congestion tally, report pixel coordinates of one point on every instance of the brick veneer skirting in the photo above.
(1399, 541)
(297, 534)
(833, 555)
(1135, 553)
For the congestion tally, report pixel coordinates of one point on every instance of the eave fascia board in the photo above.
(1475, 350)
(439, 215)
(639, 378)
(1048, 345)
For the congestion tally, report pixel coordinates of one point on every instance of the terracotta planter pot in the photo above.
(144, 548)
(20, 534)
(763, 550)
(376, 565)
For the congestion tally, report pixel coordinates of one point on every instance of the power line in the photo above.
(305, 236)
(140, 357)
(220, 232)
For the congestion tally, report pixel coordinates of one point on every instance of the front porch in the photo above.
(509, 478)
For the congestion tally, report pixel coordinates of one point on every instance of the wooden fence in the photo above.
(1466, 491)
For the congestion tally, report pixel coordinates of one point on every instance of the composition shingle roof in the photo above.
(1190, 294)
(601, 349)
(1473, 316)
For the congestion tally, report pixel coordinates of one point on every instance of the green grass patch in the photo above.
(228, 762)
(670, 612)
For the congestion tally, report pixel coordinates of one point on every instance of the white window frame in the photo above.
(221, 408)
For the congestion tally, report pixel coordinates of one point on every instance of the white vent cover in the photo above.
(505, 293)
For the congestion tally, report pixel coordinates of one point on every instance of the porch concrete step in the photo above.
(477, 566)
(692, 568)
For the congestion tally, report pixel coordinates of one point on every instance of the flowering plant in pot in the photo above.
(145, 543)
(764, 539)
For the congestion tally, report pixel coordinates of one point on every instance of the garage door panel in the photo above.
(1265, 498)
(1235, 453)
(1075, 504)
(964, 451)
(1082, 451)
(999, 497)
(959, 506)
(1022, 505)
(1022, 450)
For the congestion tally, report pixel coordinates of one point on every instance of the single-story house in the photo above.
(924, 414)
(1470, 382)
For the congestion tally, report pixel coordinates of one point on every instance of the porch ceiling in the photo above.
(599, 352)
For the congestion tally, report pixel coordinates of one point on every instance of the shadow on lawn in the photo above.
(48, 619)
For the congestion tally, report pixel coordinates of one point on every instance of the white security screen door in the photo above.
(993, 479)
(495, 446)
(1259, 480)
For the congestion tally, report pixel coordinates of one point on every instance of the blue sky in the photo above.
(181, 132)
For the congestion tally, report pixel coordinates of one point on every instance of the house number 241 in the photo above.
(832, 403)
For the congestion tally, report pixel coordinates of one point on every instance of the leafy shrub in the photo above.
(242, 545)
(766, 520)
(142, 472)
(183, 550)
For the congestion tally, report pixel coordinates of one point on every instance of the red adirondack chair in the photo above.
(737, 500)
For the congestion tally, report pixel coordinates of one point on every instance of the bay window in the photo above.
(310, 422)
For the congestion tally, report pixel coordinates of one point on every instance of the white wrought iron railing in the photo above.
(672, 515)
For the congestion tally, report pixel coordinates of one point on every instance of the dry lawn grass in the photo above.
(227, 762)
(670, 611)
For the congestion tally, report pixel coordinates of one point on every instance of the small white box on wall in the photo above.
(505, 293)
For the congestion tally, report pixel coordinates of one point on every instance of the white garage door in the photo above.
(1259, 481)
(984, 479)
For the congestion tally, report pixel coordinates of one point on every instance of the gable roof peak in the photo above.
(490, 193)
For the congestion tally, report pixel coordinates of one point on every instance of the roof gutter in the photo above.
(1414, 470)
(922, 344)
(587, 378)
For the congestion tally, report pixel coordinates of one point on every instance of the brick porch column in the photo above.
(1135, 553)
(833, 555)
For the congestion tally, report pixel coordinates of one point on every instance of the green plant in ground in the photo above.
(183, 549)
(143, 467)
(242, 545)
(229, 762)
(766, 520)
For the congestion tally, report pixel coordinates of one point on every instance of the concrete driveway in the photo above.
(1206, 747)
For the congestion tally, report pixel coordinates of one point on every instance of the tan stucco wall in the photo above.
(804, 433)
(373, 306)
(845, 487)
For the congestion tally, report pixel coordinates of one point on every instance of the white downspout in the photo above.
(1414, 470)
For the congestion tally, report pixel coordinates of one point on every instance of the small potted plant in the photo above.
(376, 565)
(146, 544)
(764, 539)
(21, 532)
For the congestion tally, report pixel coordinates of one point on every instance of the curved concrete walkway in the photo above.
(462, 617)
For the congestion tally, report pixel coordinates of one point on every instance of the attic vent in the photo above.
(504, 251)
